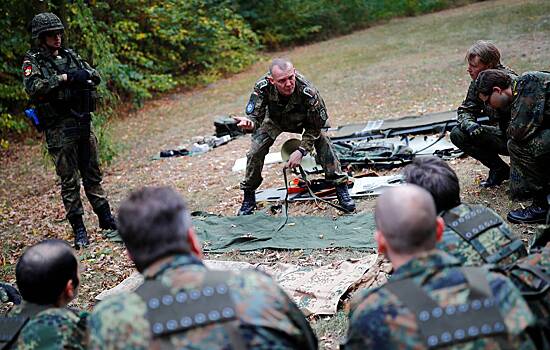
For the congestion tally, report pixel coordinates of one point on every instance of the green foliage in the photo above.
(283, 22)
(145, 47)
(140, 47)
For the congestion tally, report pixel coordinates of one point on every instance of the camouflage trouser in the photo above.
(530, 173)
(73, 147)
(485, 147)
(261, 142)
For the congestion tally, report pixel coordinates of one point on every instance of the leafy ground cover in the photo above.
(406, 66)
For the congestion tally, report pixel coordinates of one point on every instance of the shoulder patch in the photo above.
(251, 103)
(27, 68)
(261, 84)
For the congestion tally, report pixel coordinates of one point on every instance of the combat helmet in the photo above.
(45, 22)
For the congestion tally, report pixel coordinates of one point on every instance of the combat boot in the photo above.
(249, 203)
(496, 177)
(536, 213)
(344, 198)
(79, 230)
(106, 219)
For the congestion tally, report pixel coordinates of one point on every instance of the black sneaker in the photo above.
(344, 198)
(249, 203)
(533, 214)
(496, 177)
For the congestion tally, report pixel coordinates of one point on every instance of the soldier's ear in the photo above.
(381, 242)
(270, 79)
(439, 228)
(194, 243)
(497, 90)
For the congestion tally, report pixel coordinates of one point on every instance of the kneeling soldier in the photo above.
(284, 101)
(528, 97)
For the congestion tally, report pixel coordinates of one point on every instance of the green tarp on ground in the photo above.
(259, 231)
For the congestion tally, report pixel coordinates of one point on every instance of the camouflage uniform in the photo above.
(3, 295)
(531, 275)
(9, 294)
(70, 139)
(495, 243)
(379, 319)
(529, 134)
(487, 146)
(50, 327)
(266, 318)
(303, 113)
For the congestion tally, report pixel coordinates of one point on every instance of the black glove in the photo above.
(474, 130)
(13, 294)
(80, 76)
(95, 79)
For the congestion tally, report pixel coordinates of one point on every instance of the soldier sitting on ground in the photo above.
(474, 234)
(431, 300)
(182, 304)
(48, 278)
(528, 97)
(284, 101)
(483, 142)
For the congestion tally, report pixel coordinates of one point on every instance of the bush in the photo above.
(284, 22)
(140, 48)
(145, 47)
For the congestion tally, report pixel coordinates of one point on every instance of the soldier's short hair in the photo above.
(490, 78)
(154, 223)
(406, 217)
(282, 63)
(43, 271)
(435, 176)
(487, 52)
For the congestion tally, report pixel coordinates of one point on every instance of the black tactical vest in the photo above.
(480, 219)
(478, 317)
(169, 313)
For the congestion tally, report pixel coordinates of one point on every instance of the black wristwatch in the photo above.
(303, 151)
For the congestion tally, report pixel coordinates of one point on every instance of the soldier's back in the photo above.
(383, 319)
(477, 235)
(53, 328)
(531, 275)
(260, 315)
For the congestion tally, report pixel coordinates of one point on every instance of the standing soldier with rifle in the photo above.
(62, 87)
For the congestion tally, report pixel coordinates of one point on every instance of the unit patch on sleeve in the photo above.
(251, 104)
(27, 68)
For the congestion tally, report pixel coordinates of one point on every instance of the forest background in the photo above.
(148, 47)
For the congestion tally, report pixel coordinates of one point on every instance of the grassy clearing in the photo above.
(406, 66)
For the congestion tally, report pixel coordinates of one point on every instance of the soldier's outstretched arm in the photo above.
(35, 83)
